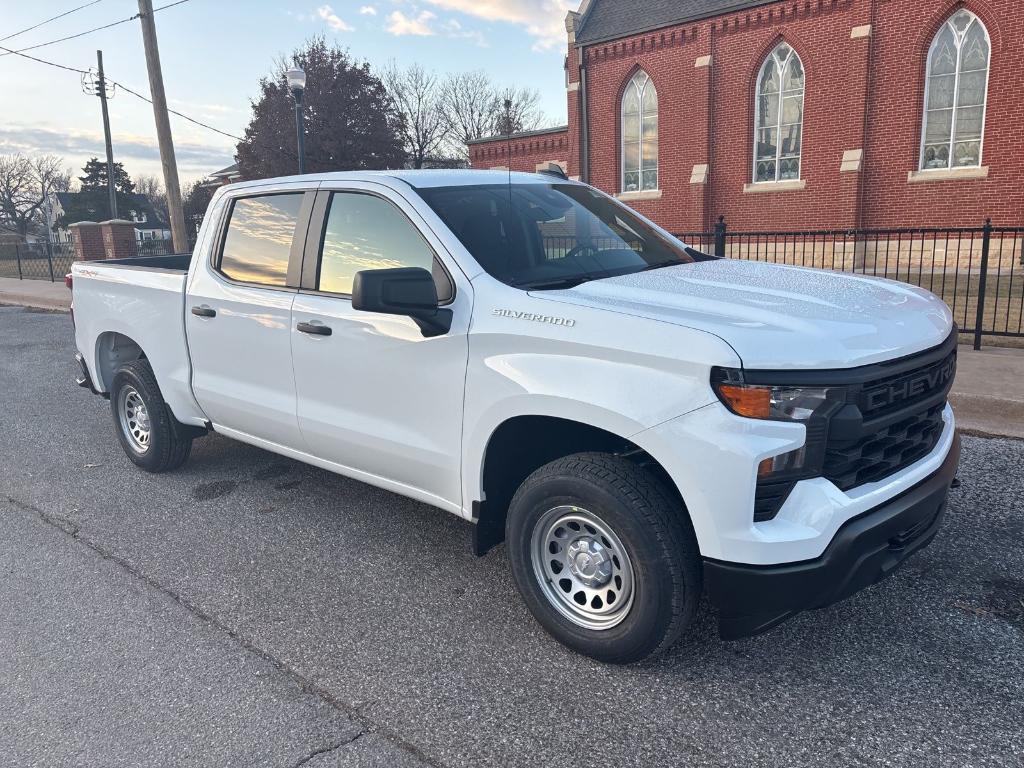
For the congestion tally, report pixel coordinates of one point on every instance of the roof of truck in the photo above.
(419, 179)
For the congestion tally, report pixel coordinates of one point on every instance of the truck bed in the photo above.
(175, 262)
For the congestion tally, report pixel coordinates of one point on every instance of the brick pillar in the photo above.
(88, 241)
(854, 157)
(572, 97)
(701, 102)
(119, 239)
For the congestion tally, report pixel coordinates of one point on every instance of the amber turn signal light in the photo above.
(754, 402)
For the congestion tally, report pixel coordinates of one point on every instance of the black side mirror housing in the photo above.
(408, 291)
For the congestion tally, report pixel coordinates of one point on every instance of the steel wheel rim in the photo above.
(582, 567)
(134, 418)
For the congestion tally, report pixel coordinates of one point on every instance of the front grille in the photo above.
(885, 452)
(904, 390)
(885, 417)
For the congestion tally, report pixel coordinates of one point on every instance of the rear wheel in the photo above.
(604, 557)
(150, 435)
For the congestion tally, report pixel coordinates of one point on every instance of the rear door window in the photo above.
(259, 239)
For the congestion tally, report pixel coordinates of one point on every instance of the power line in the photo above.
(138, 95)
(200, 123)
(88, 31)
(42, 61)
(47, 21)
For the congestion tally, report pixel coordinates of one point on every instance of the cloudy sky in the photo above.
(214, 53)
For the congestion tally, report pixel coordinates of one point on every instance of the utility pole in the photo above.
(98, 87)
(163, 127)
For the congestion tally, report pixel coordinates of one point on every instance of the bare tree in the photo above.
(522, 112)
(26, 184)
(417, 97)
(152, 189)
(474, 108)
(470, 107)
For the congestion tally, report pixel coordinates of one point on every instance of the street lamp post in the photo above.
(297, 85)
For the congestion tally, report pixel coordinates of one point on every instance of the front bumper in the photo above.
(754, 598)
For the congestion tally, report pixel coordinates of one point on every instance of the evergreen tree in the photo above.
(350, 121)
(93, 201)
(95, 177)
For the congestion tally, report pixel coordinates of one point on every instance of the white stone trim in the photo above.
(498, 168)
(702, 61)
(699, 174)
(948, 174)
(859, 32)
(646, 194)
(852, 159)
(775, 186)
(573, 86)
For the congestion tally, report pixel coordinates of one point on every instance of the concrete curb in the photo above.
(38, 306)
(6, 300)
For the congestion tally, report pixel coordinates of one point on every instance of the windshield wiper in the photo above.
(660, 264)
(554, 285)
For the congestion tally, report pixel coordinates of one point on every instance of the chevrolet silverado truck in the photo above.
(642, 424)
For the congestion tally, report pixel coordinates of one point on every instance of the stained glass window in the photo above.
(955, 94)
(639, 135)
(779, 116)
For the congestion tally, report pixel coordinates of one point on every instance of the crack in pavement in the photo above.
(329, 748)
(73, 531)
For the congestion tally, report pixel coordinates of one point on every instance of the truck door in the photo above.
(375, 395)
(238, 317)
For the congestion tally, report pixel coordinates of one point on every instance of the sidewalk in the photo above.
(35, 293)
(988, 395)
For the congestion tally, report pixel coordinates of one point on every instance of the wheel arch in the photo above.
(113, 349)
(521, 444)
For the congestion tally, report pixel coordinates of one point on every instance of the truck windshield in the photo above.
(549, 236)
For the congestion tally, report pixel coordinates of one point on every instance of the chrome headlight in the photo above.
(782, 403)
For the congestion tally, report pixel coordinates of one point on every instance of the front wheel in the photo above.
(150, 435)
(603, 556)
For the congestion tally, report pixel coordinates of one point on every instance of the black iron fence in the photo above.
(36, 261)
(977, 271)
(51, 261)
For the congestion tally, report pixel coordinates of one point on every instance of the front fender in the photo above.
(621, 392)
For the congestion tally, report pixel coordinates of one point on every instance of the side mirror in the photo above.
(408, 291)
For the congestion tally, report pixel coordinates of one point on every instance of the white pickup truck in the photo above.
(641, 423)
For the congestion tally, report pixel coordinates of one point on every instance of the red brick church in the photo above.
(787, 115)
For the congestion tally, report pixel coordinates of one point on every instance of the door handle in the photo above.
(315, 329)
(204, 311)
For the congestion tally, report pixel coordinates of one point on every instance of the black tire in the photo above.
(649, 524)
(169, 441)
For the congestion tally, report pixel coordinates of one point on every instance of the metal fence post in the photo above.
(986, 242)
(17, 255)
(720, 237)
(49, 256)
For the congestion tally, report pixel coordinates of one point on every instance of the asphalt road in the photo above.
(248, 610)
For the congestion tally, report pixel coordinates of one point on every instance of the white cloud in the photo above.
(368, 10)
(399, 24)
(335, 22)
(452, 28)
(140, 154)
(543, 19)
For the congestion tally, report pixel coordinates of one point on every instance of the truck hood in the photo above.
(779, 317)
